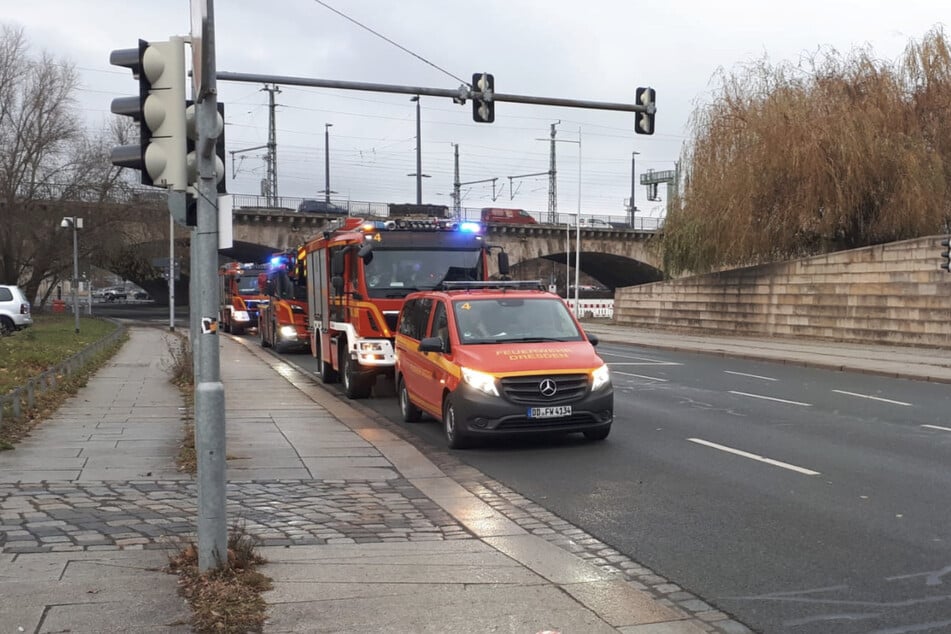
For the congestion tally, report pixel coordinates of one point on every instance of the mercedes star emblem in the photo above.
(547, 387)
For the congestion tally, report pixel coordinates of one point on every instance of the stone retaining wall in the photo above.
(891, 293)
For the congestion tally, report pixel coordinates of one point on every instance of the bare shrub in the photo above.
(832, 153)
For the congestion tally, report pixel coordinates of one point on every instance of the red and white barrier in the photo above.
(596, 308)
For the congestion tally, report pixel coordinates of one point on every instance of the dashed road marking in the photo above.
(753, 456)
(752, 376)
(873, 398)
(770, 398)
(641, 376)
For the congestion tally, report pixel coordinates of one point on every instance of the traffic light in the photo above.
(159, 109)
(191, 156)
(644, 121)
(483, 105)
(946, 254)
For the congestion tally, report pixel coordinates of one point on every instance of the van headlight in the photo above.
(288, 332)
(480, 381)
(241, 315)
(600, 377)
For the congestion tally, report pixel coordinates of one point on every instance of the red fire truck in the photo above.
(283, 321)
(359, 273)
(240, 296)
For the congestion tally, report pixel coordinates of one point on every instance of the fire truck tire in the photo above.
(325, 369)
(411, 413)
(354, 385)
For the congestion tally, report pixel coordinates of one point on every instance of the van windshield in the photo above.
(483, 321)
(398, 272)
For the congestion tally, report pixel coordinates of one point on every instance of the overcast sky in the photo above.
(598, 50)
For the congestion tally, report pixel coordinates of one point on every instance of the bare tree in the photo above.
(51, 167)
(834, 152)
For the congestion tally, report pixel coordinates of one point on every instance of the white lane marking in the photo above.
(641, 363)
(641, 376)
(938, 427)
(753, 456)
(873, 398)
(770, 398)
(752, 376)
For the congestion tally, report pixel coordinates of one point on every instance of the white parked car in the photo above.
(14, 310)
(595, 223)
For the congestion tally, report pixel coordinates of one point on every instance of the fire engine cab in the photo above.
(240, 296)
(359, 273)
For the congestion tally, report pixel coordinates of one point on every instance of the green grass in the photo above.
(50, 340)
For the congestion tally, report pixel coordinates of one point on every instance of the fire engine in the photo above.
(240, 296)
(283, 321)
(359, 273)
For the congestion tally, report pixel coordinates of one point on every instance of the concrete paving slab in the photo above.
(340, 452)
(105, 474)
(672, 627)
(12, 476)
(387, 551)
(26, 618)
(619, 603)
(139, 614)
(409, 460)
(457, 609)
(499, 571)
(557, 565)
(237, 472)
(321, 472)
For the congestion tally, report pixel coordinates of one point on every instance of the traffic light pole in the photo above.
(209, 390)
(458, 95)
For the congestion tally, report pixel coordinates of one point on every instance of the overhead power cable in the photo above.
(386, 39)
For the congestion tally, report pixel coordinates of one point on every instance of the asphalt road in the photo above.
(798, 500)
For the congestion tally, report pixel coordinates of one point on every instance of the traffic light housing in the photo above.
(191, 156)
(644, 120)
(946, 254)
(159, 109)
(483, 105)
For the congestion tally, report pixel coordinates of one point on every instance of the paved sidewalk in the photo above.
(362, 532)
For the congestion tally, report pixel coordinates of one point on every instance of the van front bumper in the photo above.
(478, 413)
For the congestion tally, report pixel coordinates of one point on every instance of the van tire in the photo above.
(454, 436)
(411, 413)
(263, 332)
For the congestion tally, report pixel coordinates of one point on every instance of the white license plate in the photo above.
(549, 412)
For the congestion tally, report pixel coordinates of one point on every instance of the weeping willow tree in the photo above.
(832, 153)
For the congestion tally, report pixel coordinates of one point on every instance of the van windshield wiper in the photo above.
(536, 339)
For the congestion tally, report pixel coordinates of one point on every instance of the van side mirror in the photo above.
(592, 338)
(431, 344)
(503, 263)
(366, 253)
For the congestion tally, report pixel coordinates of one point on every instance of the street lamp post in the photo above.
(327, 127)
(577, 228)
(75, 223)
(419, 157)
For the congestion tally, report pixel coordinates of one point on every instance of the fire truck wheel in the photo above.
(354, 385)
(410, 412)
(455, 437)
(325, 370)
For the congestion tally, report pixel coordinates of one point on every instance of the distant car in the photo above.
(514, 216)
(320, 207)
(113, 294)
(14, 310)
(140, 295)
(595, 223)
